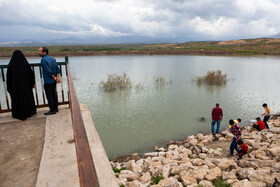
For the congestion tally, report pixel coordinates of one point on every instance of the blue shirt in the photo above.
(50, 68)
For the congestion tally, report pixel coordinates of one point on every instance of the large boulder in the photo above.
(276, 168)
(197, 162)
(170, 182)
(262, 175)
(205, 183)
(193, 142)
(261, 154)
(135, 183)
(172, 147)
(243, 183)
(275, 130)
(187, 152)
(244, 172)
(199, 173)
(146, 177)
(187, 178)
(266, 163)
(200, 136)
(214, 174)
(248, 163)
(166, 170)
(129, 175)
(202, 155)
(218, 152)
(181, 167)
(132, 166)
(209, 163)
(228, 175)
(227, 164)
(274, 151)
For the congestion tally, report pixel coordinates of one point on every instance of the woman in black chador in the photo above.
(20, 81)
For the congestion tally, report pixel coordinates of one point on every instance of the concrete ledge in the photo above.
(106, 176)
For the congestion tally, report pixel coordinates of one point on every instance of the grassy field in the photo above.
(259, 46)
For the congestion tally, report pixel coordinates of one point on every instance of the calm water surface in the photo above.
(136, 120)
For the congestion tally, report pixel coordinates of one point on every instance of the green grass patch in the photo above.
(221, 183)
(156, 179)
(116, 170)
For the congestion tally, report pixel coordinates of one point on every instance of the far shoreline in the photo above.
(240, 47)
(147, 52)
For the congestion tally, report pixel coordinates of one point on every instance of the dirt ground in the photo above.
(21, 146)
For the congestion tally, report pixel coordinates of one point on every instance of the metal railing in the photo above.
(87, 173)
(86, 168)
(40, 98)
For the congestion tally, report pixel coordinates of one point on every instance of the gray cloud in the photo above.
(181, 19)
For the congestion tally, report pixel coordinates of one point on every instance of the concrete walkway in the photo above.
(58, 166)
(58, 163)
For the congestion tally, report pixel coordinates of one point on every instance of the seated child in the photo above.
(242, 149)
(259, 125)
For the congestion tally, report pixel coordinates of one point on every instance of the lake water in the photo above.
(136, 120)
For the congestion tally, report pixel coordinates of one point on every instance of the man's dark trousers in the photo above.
(51, 95)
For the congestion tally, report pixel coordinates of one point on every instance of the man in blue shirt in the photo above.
(51, 73)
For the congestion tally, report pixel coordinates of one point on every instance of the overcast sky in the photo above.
(23, 20)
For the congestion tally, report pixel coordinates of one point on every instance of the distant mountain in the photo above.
(107, 40)
(99, 40)
(276, 35)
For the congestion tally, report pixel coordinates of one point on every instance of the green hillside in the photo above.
(259, 46)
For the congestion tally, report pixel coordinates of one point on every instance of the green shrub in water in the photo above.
(212, 78)
(160, 81)
(116, 82)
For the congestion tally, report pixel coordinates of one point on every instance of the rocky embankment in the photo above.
(200, 160)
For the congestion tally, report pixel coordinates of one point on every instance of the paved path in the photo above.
(58, 163)
(58, 166)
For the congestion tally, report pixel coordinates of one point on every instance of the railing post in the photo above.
(5, 89)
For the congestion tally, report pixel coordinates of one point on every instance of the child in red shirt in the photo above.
(260, 125)
(242, 149)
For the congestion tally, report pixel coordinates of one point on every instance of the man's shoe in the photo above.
(49, 113)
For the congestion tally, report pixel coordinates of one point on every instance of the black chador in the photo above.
(20, 81)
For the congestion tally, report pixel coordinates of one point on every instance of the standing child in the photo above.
(242, 149)
(266, 115)
(236, 131)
